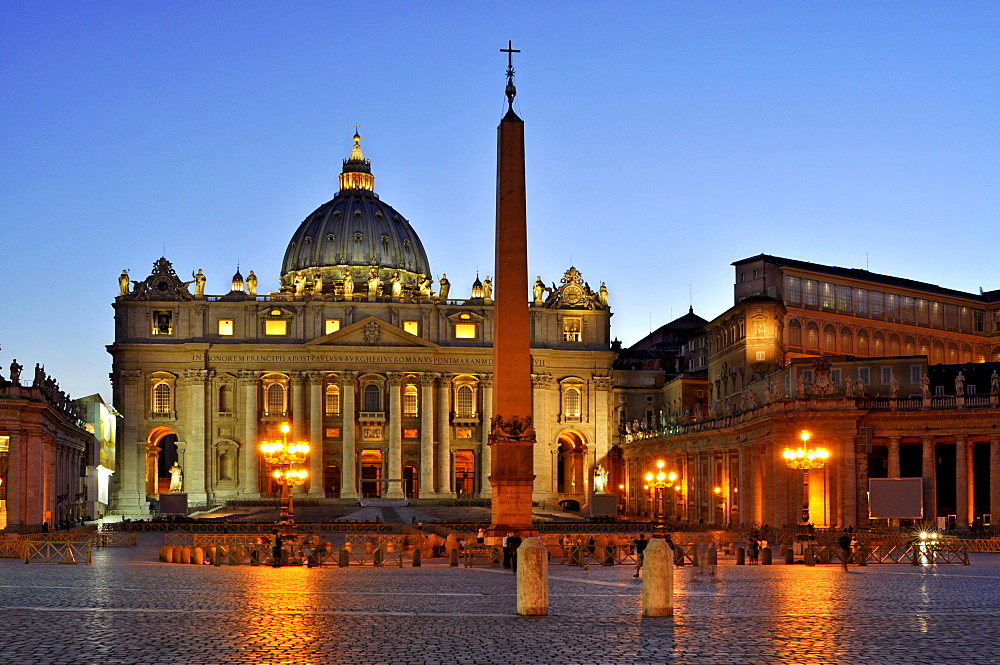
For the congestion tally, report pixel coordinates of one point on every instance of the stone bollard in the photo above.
(789, 555)
(765, 556)
(731, 550)
(168, 553)
(163, 553)
(807, 556)
(741, 556)
(416, 557)
(185, 554)
(198, 556)
(713, 555)
(453, 558)
(532, 578)
(658, 580)
(344, 558)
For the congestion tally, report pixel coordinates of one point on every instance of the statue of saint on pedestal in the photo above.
(252, 283)
(123, 282)
(199, 282)
(600, 479)
(176, 477)
(445, 286)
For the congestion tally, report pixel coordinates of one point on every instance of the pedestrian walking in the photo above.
(640, 551)
(506, 550)
(513, 542)
(845, 549)
(481, 536)
(276, 547)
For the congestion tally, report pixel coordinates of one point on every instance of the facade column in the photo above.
(485, 488)
(348, 456)
(426, 435)
(130, 459)
(894, 456)
(442, 458)
(197, 462)
(963, 486)
(249, 483)
(540, 392)
(849, 487)
(394, 490)
(299, 422)
(317, 462)
(930, 482)
(994, 479)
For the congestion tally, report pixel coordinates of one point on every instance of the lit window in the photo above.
(761, 356)
(465, 331)
(571, 403)
(411, 327)
(463, 434)
(332, 326)
(163, 323)
(411, 433)
(161, 398)
(333, 432)
(464, 402)
(225, 326)
(572, 329)
(275, 328)
(332, 400)
(275, 399)
(410, 400)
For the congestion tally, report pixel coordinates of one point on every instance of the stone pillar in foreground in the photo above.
(658, 580)
(532, 578)
(512, 432)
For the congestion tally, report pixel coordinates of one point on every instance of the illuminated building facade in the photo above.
(386, 376)
(897, 378)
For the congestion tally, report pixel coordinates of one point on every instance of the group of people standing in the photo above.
(755, 544)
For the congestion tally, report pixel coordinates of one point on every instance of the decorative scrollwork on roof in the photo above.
(162, 284)
(574, 293)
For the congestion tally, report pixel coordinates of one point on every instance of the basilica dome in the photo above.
(353, 234)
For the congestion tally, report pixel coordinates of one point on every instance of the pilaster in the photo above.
(316, 439)
(486, 385)
(442, 457)
(394, 490)
(930, 480)
(426, 434)
(197, 460)
(963, 484)
(249, 482)
(348, 457)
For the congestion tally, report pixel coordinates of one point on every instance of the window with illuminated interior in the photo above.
(465, 331)
(464, 402)
(410, 400)
(162, 397)
(274, 402)
(572, 329)
(332, 326)
(225, 326)
(571, 402)
(373, 398)
(332, 400)
(412, 327)
(275, 327)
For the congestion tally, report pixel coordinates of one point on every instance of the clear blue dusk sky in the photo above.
(664, 141)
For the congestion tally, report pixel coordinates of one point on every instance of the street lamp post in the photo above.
(282, 457)
(658, 482)
(805, 458)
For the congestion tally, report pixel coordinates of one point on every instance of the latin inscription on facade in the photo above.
(344, 358)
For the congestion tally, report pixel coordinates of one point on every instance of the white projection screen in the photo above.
(896, 498)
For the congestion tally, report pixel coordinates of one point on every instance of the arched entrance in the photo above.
(161, 454)
(331, 481)
(571, 458)
(411, 482)
(371, 474)
(465, 473)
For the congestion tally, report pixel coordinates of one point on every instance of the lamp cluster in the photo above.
(805, 457)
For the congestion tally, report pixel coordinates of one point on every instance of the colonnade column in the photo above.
(316, 412)
(849, 489)
(131, 495)
(348, 461)
(249, 481)
(486, 384)
(962, 481)
(395, 489)
(894, 456)
(930, 484)
(426, 434)
(442, 467)
(994, 479)
(299, 422)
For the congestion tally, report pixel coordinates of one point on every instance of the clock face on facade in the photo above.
(572, 294)
(162, 285)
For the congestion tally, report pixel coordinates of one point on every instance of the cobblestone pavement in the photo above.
(129, 608)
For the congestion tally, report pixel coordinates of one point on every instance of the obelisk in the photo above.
(512, 434)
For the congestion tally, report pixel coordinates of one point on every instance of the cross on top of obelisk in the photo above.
(511, 90)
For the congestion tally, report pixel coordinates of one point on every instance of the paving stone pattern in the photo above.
(130, 608)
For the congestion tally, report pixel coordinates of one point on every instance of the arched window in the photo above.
(274, 402)
(794, 333)
(410, 400)
(863, 349)
(846, 340)
(909, 346)
(463, 402)
(937, 353)
(373, 398)
(162, 398)
(829, 338)
(893, 345)
(225, 398)
(878, 344)
(333, 400)
(571, 403)
(812, 336)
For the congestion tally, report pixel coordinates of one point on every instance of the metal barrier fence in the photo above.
(66, 552)
(912, 554)
(115, 539)
(247, 527)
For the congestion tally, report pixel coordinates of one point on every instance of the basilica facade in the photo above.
(383, 370)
